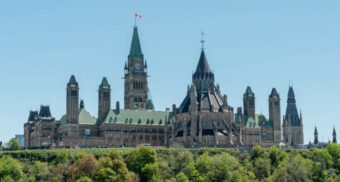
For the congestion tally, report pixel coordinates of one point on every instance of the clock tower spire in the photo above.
(135, 76)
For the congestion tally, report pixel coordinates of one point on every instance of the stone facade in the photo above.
(204, 118)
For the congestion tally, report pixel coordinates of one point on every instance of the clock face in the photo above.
(138, 67)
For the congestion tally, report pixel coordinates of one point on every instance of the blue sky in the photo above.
(261, 43)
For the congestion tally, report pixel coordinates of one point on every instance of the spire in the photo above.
(135, 49)
(315, 131)
(104, 84)
(193, 90)
(316, 138)
(274, 93)
(291, 112)
(249, 92)
(72, 81)
(291, 95)
(334, 135)
(202, 66)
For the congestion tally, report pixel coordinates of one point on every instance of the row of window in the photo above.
(133, 137)
(138, 85)
(130, 121)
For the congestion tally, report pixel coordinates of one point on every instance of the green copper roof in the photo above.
(86, 118)
(249, 92)
(149, 105)
(135, 49)
(104, 84)
(138, 117)
(251, 123)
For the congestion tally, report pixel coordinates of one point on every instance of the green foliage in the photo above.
(171, 165)
(10, 169)
(106, 175)
(140, 157)
(13, 144)
(84, 179)
(293, 169)
(149, 172)
(180, 177)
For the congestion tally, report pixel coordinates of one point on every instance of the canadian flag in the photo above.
(138, 15)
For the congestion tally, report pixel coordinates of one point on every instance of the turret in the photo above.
(316, 138)
(203, 78)
(72, 107)
(72, 100)
(334, 135)
(104, 99)
(249, 103)
(275, 114)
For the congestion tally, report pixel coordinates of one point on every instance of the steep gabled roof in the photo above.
(104, 84)
(249, 92)
(33, 115)
(72, 81)
(274, 93)
(45, 112)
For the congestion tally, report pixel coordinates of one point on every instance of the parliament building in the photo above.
(204, 118)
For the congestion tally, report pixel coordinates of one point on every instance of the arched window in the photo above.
(160, 122)
(131, 121)
(151, 121)
(148, 121)
(126, 121)
(139, 121)
(115, 120)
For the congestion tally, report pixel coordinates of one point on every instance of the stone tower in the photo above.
(249, 103)
(136, 84)
(316, 137)
(275, 114)
(104, 99)
(334, 135)
(292, 122)
(72, 106)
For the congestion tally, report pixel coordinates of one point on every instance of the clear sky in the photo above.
(260, 43)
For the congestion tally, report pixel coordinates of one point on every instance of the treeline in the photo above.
(171, 165)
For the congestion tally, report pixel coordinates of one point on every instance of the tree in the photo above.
(84, 179)
(86, 166)
(140, 157)
(149, 172)
(262, 168)
(180, 177)
(10, 169)
(13, 144)
(106, 175)
(293, 169)
(276, 156)
(40, 171)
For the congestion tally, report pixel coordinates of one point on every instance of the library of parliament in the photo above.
(204, 118)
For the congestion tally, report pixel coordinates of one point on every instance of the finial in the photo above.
(202, 40)
(137, 16)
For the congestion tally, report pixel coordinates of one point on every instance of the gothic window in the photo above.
(151, 121)
(110, 121)
(139, 121)
(160, 122)
(115, 120)
(126, 121)
(131, 121)
(147, 121)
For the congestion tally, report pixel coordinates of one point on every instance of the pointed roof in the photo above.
(72, 81)
(291, 95)
(104, 84)
(203, 65)
(33, 115)
(334, 132)
(274, 93)
(149, 105)
(45, 111)
(292, 114)
(135, 43)
(193, 90)
(315, 131)
(249, 92)
(82, 105)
